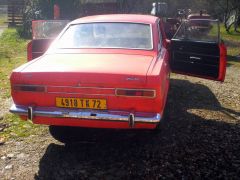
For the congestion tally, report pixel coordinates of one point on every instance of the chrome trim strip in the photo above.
(197, 58)
(80, 87)
(84, 114)
(87, 94)
(81, 94)
(195, 54)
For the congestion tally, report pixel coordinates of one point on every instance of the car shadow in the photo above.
(187, 145)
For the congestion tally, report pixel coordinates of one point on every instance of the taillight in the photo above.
(136, 92)
(29, 88)
(29, 51)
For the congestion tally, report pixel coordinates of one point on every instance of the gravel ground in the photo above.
(199, 138)
(5, 105)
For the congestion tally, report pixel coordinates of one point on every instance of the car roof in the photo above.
(134, 18)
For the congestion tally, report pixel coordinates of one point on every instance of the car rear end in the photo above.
(107, 103)
(101, 80)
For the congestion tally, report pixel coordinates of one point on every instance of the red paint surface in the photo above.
(223, 62)
(91, 123)
(118, 18)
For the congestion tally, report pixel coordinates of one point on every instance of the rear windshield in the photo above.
(107, 35)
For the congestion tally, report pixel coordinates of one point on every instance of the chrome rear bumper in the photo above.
(119, 116)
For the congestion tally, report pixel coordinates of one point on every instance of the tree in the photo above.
(227, 10)
(43, 9)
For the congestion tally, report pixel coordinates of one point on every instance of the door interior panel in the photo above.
(196, 58)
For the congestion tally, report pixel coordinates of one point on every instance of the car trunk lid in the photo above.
(88, 69)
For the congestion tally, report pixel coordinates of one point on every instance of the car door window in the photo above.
(198, 30)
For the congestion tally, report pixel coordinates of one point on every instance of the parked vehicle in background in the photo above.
(200, 15)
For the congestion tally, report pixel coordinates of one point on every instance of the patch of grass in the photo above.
(12, 54)
(18, 128)
(11, 44)
(232, 41)
(231, 35)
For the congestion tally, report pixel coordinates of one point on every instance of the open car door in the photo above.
(43, 33)
(196, 50)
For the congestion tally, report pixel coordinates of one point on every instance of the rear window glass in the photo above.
(107, 35)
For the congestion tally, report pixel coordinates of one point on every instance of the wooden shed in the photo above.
(15, 12)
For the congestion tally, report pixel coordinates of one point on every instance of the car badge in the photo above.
(132, 79)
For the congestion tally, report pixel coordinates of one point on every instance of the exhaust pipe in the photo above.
(30, 113)
(131, 120)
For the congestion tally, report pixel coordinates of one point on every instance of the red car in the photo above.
(112, 71)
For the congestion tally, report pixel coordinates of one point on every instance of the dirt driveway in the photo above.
(199, 138)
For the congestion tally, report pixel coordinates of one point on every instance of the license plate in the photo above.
(81, 103)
